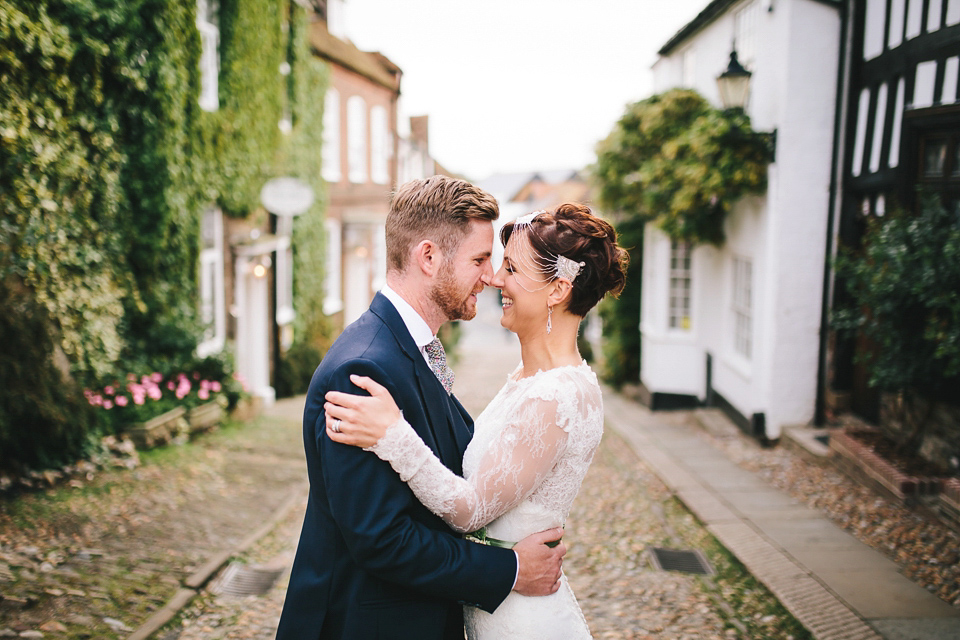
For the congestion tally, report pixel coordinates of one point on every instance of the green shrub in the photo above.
(905, 292)
(43, 419)
(674, 160)
(296, 369)
(621, 316)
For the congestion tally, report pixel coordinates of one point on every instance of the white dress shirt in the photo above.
(416, 325)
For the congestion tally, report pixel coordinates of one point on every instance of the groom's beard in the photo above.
(452, 300)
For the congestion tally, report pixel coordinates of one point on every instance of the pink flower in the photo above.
(203, 394)
(107, 404)
(171, 385)
(138, 399)
(121, 401)
(97, 401)
(156, 377)
(215, 386)
(154, 393)
(108, 390)
(243, 382)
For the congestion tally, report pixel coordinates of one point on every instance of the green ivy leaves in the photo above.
(676, 161)
(904, 292)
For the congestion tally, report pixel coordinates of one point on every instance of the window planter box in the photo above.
(204, 417)
(159, 430)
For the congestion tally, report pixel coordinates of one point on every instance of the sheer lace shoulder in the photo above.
(574, 389)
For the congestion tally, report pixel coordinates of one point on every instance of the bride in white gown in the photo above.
(533, 443)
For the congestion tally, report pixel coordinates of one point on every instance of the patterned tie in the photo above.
(438, 363)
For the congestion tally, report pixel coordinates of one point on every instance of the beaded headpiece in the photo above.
(554, 265)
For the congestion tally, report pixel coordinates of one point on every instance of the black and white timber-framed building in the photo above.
(899, 133)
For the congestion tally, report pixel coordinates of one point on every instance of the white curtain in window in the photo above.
(357, 139)
(331, 136)
(379, 146)
(212, 295)
(742, 306)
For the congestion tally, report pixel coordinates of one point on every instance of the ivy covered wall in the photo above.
(106, 163)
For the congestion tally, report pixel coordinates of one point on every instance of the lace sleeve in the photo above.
(518, 459)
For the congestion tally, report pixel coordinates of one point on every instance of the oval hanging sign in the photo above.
(286, 196)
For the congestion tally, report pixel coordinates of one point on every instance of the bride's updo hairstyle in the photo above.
(571, 230)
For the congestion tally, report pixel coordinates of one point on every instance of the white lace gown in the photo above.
(531, 448)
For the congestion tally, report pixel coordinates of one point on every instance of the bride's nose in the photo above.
(497, 279)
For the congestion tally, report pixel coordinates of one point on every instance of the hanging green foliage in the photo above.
(674, 160)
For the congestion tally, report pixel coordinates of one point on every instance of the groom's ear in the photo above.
(428, 257)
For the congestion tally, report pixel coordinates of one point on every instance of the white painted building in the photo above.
(737, 326)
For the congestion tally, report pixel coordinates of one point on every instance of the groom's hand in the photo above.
(539, 570)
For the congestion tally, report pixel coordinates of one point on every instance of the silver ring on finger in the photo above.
(336, 426)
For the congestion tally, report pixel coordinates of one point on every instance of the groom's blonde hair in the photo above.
(439, 209)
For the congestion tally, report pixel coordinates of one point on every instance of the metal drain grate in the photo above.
(244, 580)
(681, 560)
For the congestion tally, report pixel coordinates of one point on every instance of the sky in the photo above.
(518, 85)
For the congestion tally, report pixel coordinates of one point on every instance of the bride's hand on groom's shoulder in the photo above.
(360, 421)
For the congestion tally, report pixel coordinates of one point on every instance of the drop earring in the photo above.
(549, 319)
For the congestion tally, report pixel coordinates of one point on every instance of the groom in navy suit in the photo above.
(373, 563)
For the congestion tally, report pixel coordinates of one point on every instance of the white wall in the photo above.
(782, 233)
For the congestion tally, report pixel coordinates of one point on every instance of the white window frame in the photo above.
(741, 306)
(680, 287)
(357, 139)
(333, 298)
(330, 158)
(379, 145)
(212, 292)
(209, 98)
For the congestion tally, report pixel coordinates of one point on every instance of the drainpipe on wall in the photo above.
(843, 67)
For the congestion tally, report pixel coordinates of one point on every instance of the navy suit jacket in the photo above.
(372, 562)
